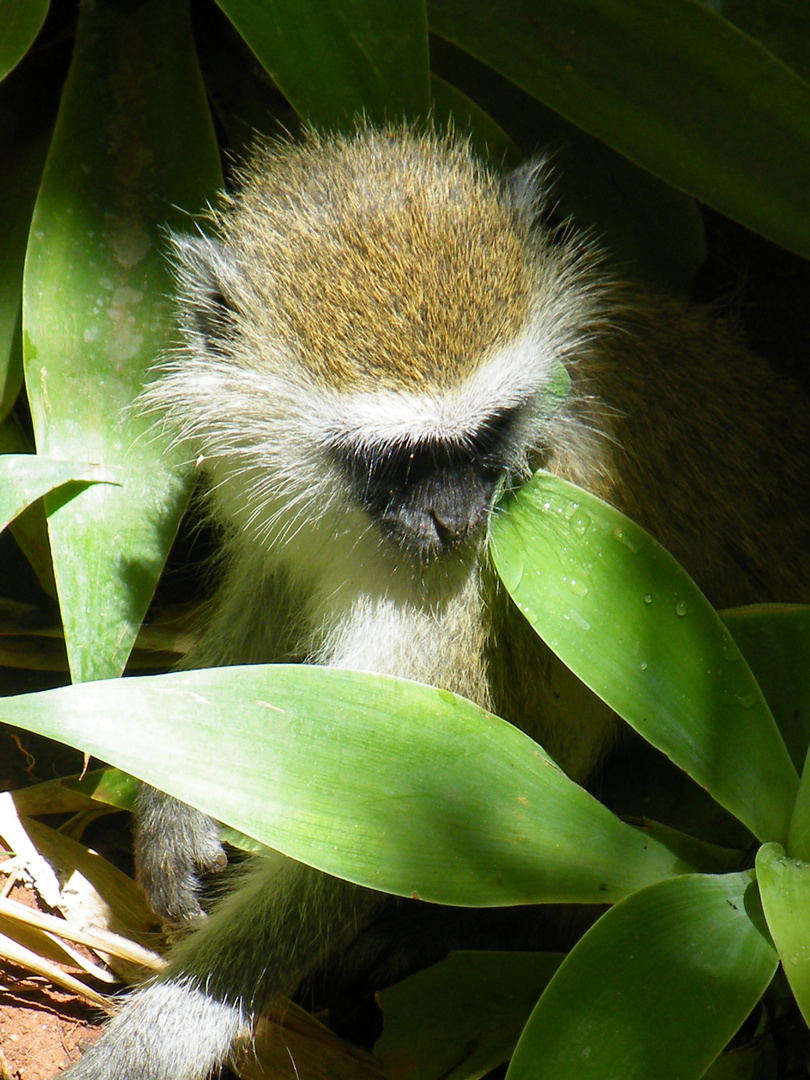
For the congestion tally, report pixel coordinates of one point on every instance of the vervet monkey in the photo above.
(369, 339)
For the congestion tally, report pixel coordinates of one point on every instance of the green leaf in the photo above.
(133, 143)
(784, 886)
(335, 60)
(670, 85)
(783, 29)
(775, 641)
(19, 178)
(388, 783)
(799, 834)
(21, 22)
(655, 989)
(460, 1018)
(24, 478)
(630, 622)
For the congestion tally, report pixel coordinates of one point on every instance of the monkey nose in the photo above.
(451, 529)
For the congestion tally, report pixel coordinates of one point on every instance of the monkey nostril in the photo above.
(450, 530)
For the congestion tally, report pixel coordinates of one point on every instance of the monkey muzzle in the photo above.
(430, 499)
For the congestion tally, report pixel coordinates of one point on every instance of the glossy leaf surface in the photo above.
(386, 782)
(775, 641)
(96, 312)
(656, 988)
(784, 886)
(25, 478)
(630, 622)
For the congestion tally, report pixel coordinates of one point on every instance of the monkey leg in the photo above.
(174, 844)
(261, 940)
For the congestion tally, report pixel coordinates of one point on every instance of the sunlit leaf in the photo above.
(784, 885)
(656, 988)
(630, 622)
(133, 143)
(25, 478)
(389, 783)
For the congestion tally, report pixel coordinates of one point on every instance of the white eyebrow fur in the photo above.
(515, 375)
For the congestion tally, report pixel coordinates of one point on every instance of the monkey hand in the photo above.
(174, 845)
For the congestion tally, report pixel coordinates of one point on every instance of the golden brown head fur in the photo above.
(392, 261)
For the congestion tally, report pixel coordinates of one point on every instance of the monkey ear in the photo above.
(210, 278)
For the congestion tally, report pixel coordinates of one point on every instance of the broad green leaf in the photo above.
(20, 22)
(29, 528)
(797, 679)
(460, 1018)
(671, 85)
(336, 60)
(775, 641)
(25, 478)
(656, 988)
(133, 143)
(630, 622)
(699, 854)
(782, 28)
(784, 885)
(388, 783)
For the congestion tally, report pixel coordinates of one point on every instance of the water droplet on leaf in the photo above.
(621, 537)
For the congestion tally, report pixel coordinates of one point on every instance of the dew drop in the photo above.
(680, 609)
(643, 665)
(512, 573)
(648, 599)
(579, 588)
(581, 524)
(621, 537)
(582, 623)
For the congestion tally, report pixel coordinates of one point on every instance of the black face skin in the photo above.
(431, 497)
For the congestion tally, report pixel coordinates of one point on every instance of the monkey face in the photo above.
(380, 323)
(432, 497)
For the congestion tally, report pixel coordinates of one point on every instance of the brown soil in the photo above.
(42, 1030)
